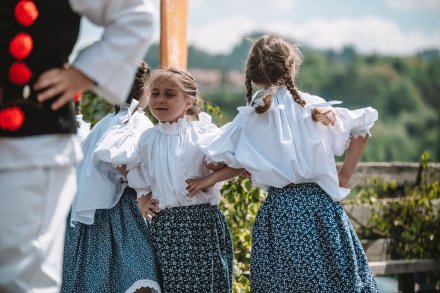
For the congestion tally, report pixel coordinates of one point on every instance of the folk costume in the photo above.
(108, 246)
(302, 240)
(190, 235)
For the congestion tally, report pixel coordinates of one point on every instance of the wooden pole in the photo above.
(173, 33)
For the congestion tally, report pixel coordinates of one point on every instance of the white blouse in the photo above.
(169, 154)
(100, 186)
(284, 145)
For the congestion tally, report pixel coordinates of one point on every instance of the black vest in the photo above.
(54, 35)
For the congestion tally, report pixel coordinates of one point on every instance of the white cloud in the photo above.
(407, 5)
(240, 7)
(221, 35)
(217, 28)
(367, 34)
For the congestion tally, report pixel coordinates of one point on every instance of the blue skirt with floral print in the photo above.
(112, 255)
(194, 248)
(302, 241)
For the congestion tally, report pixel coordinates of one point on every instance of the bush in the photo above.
(240, 203)
(410, 221)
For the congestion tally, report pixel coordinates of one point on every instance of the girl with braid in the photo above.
(302, 240)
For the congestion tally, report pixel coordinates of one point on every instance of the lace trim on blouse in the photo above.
(361, 133)
(173, 128)
(144, 284)
(180, 175)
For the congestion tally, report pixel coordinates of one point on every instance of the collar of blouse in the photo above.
(173, 128)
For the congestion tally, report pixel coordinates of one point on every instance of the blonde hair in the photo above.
(274, 61)
(184, 81)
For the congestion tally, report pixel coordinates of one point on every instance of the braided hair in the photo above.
(139, 84)
(274, 61)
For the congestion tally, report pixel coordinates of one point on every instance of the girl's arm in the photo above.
(215, 166)
(225, 173)
(123, 170)
(354, 153)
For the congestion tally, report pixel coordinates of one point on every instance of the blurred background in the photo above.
(379, 53)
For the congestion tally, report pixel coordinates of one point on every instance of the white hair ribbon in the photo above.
(130, 110)
(308, 107)
(259, 102)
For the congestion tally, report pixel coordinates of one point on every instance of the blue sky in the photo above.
(391, 27)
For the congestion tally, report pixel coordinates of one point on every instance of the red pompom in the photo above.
(21, 46)
(19, 73)
(11, 118)
(77, 97)
(26, 12)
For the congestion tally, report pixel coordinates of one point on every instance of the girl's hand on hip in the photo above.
(200, 184)
(148, 206)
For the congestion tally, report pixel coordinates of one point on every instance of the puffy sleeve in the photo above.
(122, 145)
(221, 147)
(138, 179)
(118, 145)
(111, 62)
(349, 124)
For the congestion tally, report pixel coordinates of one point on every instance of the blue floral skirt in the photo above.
(194, 248)
(112, 255)
(302, 241)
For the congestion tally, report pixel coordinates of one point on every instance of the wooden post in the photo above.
(173, 33)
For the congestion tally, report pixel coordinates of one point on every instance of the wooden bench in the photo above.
(404, 269)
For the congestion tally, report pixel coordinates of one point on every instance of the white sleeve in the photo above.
(118, 145)
(349, 124)
(137, 178)
(222, 147)
(111, 62)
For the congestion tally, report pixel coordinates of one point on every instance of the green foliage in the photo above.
(411, 221)
(240, 203)
(94, 108)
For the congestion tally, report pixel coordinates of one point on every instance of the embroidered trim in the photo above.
(144, 284)
(173, 128)
(181, 191)
(361, 133)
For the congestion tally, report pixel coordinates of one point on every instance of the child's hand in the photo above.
(246, 174)
(66, 82)
(148, 206)
(195, 185)
(215, 166)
